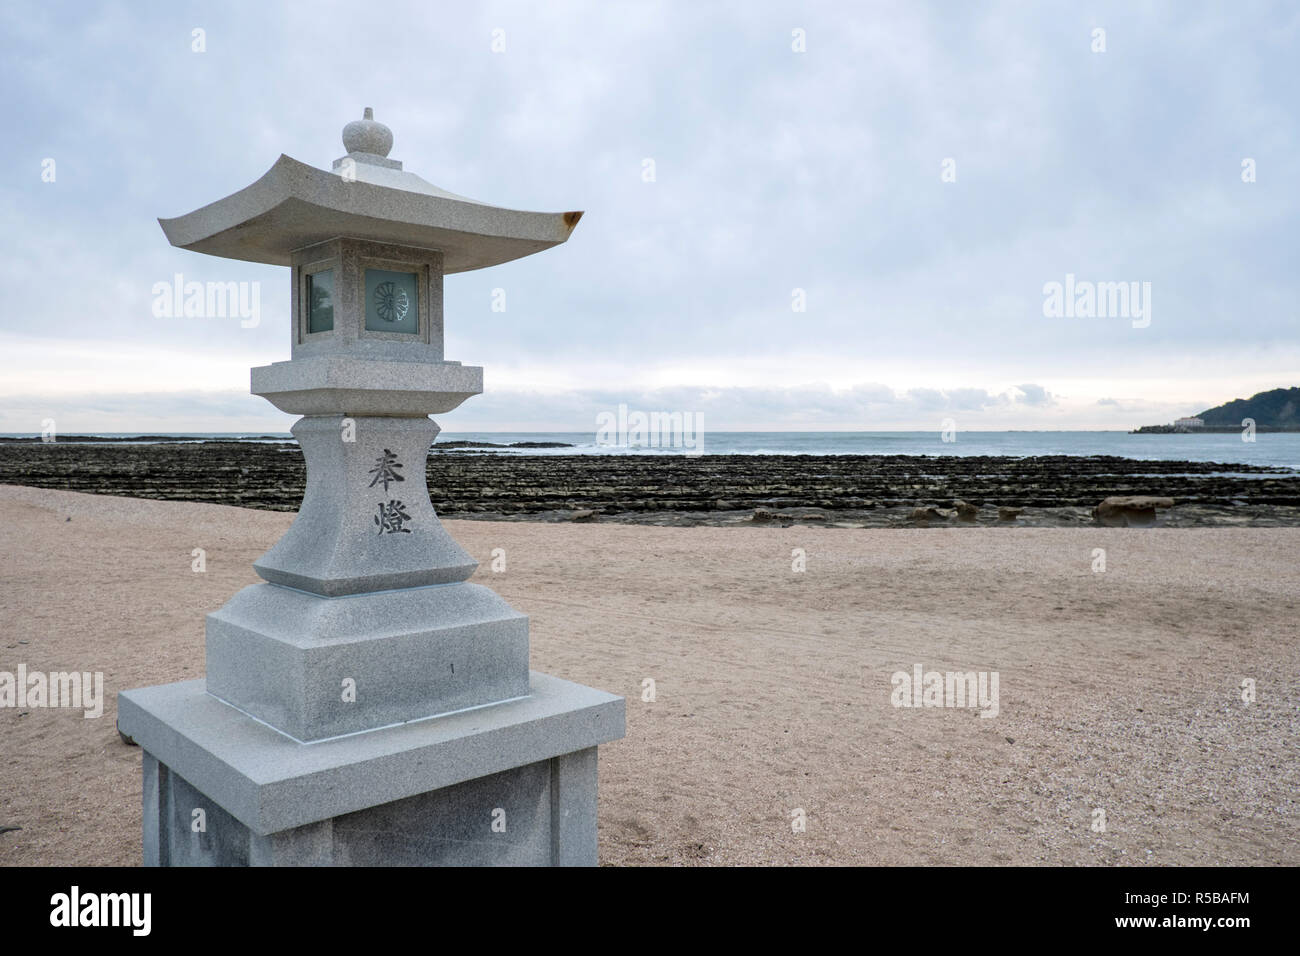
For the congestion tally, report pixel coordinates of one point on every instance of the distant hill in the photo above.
(1277, 411)
(1278, 408)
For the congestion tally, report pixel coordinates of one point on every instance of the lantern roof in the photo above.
(365, 196)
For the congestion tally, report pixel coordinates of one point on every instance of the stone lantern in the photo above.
(366, 704)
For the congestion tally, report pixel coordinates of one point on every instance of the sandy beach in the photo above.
(1119, 690)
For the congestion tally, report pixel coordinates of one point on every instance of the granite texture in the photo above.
(573, 808)
(284, 655)
(350, 535)
(269, 782)
(312, 845)
(153, 785)
(454, 826)
(524, 816)
(351, 385)
(295, 205)
(369, 138)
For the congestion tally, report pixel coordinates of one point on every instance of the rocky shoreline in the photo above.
(1208, 430)
(753, 490)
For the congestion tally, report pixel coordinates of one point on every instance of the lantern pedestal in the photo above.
(367, 705)
(366, 522)
(509, 784)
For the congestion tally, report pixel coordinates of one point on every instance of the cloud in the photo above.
(862, 407)
(1034, 395)
(776, 170)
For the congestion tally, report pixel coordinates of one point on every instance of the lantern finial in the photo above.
(368, 136)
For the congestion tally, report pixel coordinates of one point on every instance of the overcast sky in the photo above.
(775, 169)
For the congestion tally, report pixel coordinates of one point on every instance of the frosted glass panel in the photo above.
(320, 301)
(392, 301)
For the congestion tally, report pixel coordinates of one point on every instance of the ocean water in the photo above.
(1281, 449)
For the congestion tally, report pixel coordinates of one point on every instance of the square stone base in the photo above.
(508, 784)
(541, 814)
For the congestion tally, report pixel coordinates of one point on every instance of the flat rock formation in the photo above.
(1130, 511)
(834, 491)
